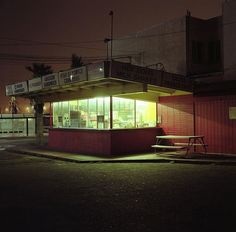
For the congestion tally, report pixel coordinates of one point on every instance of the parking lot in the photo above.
(39, 194)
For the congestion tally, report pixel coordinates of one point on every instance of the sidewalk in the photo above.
(162, 157)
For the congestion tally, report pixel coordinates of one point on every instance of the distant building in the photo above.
(186, 46)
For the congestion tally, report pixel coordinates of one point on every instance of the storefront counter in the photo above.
(103, 142)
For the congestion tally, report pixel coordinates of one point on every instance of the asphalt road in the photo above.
(38, 194)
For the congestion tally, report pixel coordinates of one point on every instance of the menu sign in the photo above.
(35, 84)
(72, 76)
(50, 80)
(20, 88)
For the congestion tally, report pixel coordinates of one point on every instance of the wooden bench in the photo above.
(168, 147)
(193, 141)
(192, 144)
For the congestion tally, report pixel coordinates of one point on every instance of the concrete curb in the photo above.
(159, 160)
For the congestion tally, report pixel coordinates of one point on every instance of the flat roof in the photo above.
(109, 78)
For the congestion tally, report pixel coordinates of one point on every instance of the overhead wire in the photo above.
(71, 44)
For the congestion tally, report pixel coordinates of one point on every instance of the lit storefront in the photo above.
(95, 113)
(106, 109)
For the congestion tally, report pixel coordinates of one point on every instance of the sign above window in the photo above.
(35, 84)
(50, 80)
(72, 76)
(17, 88)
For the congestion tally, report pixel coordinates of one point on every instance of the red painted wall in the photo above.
(80, 141)
(103, 142)
(176, 114)
(211, 119)
(134, 140)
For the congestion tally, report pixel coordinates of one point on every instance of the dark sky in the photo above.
(57, 21)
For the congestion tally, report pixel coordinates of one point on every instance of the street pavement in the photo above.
(28, 146)
(40, 195)
(130, 195)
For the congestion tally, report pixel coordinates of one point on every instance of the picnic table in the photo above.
(190, 141)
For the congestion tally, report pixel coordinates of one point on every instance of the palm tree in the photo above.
(39, 69)
(76, 61)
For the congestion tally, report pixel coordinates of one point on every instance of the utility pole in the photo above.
(111, 14)
(106, 40)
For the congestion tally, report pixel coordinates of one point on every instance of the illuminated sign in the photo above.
(73, 76)
(20, 88)
(50, 80)
(35, 84)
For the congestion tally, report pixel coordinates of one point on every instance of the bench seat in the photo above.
(193, 144)
(168, 147)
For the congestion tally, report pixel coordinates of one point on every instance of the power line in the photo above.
(41, 42)
(23, 42)
(21, 59)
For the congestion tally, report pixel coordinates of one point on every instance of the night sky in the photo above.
(31, 28)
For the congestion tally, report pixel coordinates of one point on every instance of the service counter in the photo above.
(103, 142)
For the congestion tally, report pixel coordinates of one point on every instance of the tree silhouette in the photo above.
(39, 69)
(76, 61)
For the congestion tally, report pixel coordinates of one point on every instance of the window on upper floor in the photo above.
(214, 54)
(197, 52)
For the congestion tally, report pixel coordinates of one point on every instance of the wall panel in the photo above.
(176, 114)
(212, 120)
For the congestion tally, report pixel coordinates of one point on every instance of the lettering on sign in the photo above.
(20, 88)
(50, 80)
(73, 76)
(35, 84)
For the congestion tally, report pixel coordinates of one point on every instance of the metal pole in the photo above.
(111, 14)
(111, 112)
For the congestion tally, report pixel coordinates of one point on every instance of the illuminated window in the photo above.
(145, 114)
(123, 113)
(55, 107)
(83, 114)
(103, 113)
(95, 113)
(92, 113)
(74, 112)
(65, 114)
